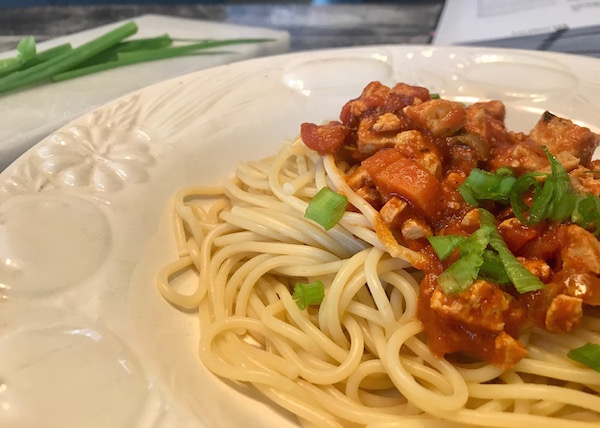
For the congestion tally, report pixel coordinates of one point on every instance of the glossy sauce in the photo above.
(411, 153)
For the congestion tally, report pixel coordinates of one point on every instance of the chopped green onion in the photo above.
(522, 186)
(477, 241)
(522, 279)
(588, 355)
(326, 208)
(542, 197)
(434, 96)
(505, 170)
(308, 294)
(564, 196)
(445, 245)
(493, 269)
(476, 259)
(587, 213)
(461, 274)
(483, 185)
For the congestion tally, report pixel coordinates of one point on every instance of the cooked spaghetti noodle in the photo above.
(360, 358)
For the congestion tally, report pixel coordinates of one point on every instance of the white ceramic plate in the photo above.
(85, 338)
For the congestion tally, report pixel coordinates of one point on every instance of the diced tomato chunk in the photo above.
(326, 139)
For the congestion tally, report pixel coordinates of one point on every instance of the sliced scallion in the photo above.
(493, 269)
(326, 208)
(445, 245)
(522, 279)
(483, 185)
(588, 355)
(461, 274)
(306, 294)
(587, 213)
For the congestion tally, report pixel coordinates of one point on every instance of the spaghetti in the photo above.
(361, 357)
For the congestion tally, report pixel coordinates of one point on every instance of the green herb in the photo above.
(483, 185)
(493, 269)
(308, 294)
(461, 274)
(108, 51)
(148, 50)
(496, 263)
(326, 208)
(522, 279)
(564, 196)
(45, 70)
(445, 245)
(26, 48)
(522, 186)
(110, 54)
(10, 65)
(588, 355)
(554, 198)
(587, 213)
(434, 96)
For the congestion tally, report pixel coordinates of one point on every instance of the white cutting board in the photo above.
(29, 115)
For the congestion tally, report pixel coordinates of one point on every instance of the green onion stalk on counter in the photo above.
(110, 50)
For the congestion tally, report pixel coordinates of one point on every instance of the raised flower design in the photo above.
(100, 154)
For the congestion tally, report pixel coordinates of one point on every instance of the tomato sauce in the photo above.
(411, 153)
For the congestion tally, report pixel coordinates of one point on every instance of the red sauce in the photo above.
(411, 154)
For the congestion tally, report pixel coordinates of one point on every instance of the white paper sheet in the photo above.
(474, 21)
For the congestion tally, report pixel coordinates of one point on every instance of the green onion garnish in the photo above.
(483, 185)
(445, 245)
(478, 241)
(564, 196)
(493, 269)
(326, 208)
(522, 186)
(308, 294)
(521, 278)
(588, 355)
(555, 199)
(587, 212)
(461, 274)
(497, 264)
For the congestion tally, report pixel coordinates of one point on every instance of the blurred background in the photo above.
(311, 24)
